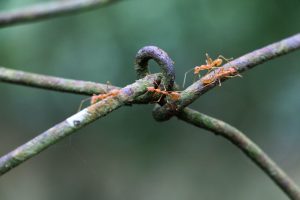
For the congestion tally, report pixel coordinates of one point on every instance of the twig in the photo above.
(242, 64)
(246, 145)
(62, 84)
(53, 83)
(49, 10)
(75, 122)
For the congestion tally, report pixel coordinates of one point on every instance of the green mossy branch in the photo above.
(246, 145)
(53, 83)
(49, 10)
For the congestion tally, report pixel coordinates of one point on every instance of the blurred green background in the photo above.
(128, 155)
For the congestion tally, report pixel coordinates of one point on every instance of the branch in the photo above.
(49, 10)
(125, 96)
(246, 145)
(242, 64)
(53, 83)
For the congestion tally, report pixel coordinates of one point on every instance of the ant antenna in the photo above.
(208, 59)
(185, 76)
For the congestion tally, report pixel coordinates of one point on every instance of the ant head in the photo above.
(197, 69)
(94, 99)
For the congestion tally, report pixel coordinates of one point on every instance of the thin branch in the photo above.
(246, 145)
(242, 64)
(125, 96)
(53, 83)
(49, 10)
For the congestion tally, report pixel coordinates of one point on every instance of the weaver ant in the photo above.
(211, 78)
(172, 94)
(210, 65)
(99, 97)
(96, 98)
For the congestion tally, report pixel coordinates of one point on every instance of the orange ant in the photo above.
(211, 78)
(96, 98)
(172, 94)
(210, 65)
(99, 97)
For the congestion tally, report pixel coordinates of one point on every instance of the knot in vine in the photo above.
(168, 80)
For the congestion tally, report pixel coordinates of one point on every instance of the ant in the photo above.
(174, 95)
(96, 98)
(210, 65)
(99, 97)
(229, 72)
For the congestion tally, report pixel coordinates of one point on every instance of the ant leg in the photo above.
(208, 83)
(152, 95)
(219, 83)
(81, 103)
(156, 84)
(226, 59)
(159, 98)
(162, 94)
(211, 69)
(185, 74)
(235, 76)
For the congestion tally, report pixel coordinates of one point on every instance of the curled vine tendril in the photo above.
(161, 58)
